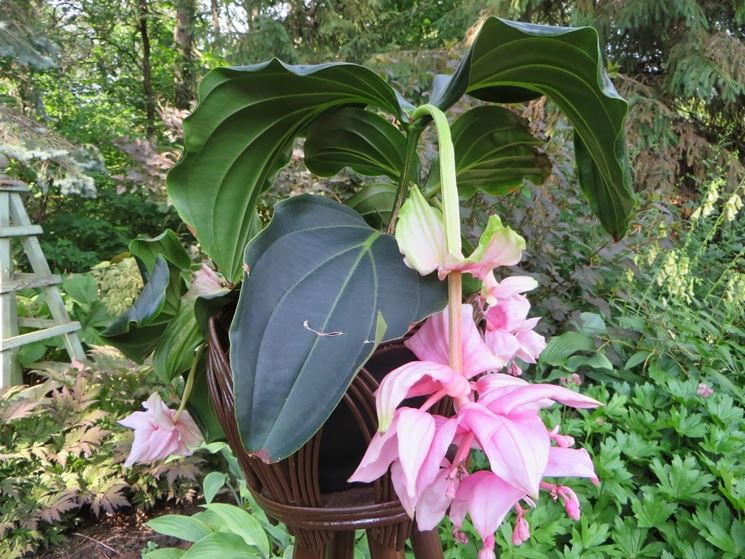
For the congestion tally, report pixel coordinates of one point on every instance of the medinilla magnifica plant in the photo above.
(323, 283)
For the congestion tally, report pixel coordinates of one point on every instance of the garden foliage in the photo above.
(61, 453)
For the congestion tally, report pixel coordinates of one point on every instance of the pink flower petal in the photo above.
(519, 452)
(138, 420)
(433, 502)
(570, 462)
(399, 486)
(487, 499)
(502, 344)
(536, 396)
(444, 434)
(430, 343)
(380, 453)
(206, 282)
(531, 345)
(416, 430)
(415, 379)
(512, 285)
(508, 314)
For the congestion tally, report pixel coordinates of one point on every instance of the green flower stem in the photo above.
(450, 203)
(190, 381)
(451, 217)
(410, 160)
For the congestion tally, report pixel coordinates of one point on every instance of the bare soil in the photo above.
(123, 535)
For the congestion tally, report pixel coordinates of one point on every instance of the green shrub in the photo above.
(61, 452)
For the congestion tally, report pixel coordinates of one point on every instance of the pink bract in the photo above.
(158, 435)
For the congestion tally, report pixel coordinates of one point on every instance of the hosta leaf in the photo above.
(374, 203)
(242, 524)
(140, 328)
(183, 527)
(240, 135)
(164, 553)
(512, 62)
(221, 545)
(307, 318)
(213, 482)
(494, 152)
(560, 348)
(355, 138)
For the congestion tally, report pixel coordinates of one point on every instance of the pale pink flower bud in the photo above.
(515, 370)
(571, 502)
(704, 390)
(460, 536)
(521, 532)
(487, 551)
(159, 434)
(206, 282)
(562, 441)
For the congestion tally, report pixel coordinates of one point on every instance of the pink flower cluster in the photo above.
(160, 432)
(495, 413)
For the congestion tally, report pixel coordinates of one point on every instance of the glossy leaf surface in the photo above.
(512, 62)
(307, 318)
(354, 138)
(240, 135)
(494, 152)
(140, 328)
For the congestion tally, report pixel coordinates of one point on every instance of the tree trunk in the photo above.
(147, 82)
(183, 35)
(216, 30)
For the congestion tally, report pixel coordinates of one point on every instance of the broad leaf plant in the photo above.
(323, 283)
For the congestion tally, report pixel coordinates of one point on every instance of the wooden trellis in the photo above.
(16, 225)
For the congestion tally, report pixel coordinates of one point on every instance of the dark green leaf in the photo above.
(374, 203)
(201, 409)
(240, 135)
(139, 329)
(166, 244)
(175, 352)
(307, 316)
(494, 152)
(560, 348)
(355, 138)
(207, 306)
(512, 62)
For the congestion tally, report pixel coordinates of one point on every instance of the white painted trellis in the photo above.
(15, 224)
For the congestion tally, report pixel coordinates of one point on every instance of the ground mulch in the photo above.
(123, 535)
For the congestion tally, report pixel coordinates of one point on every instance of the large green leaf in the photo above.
(374, 202)
(307, 318)
(175, 352)
(494, 152)
(178, 526)
(513, 62)
(167, 244)
(242, 524)
(240, 135)
(355, 138)
(141, 327)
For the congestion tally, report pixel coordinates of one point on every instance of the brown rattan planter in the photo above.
(308, 491)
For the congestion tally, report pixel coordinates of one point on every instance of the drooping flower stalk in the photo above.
(451, 217)
(190, 381)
